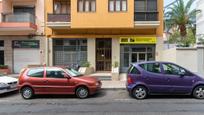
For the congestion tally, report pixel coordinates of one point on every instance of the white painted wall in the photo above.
(189, 58)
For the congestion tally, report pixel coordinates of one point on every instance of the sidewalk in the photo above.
(111, 85)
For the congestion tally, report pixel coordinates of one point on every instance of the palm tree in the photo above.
(181, 15)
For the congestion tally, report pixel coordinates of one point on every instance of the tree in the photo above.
(182, 16)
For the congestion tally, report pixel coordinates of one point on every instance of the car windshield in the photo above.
(73, 72)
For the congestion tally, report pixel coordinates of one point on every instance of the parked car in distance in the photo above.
(150, 78)
(7, 84)
(56, 80)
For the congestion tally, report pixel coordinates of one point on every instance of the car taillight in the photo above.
(129, 80)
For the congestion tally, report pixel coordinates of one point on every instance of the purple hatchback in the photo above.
(149, 78)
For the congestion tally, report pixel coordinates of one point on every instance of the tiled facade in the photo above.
(21, 22)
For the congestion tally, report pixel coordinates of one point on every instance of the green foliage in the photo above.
(86, 64)
(116, 64)
(3, 66)
(186, 41)
(182, 17)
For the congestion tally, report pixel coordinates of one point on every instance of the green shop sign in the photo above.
(26, 44)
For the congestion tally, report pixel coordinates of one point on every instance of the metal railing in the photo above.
(19, 17)
(146, 16)
(59, 18)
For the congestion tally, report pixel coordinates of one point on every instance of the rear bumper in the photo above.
(129, 87)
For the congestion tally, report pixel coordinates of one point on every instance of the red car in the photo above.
(56, 80)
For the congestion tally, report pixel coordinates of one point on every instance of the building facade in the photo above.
(200, 20)
(103, 32)
(21, 33)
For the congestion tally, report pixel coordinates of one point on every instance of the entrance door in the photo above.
(103, 54)
(1, 57)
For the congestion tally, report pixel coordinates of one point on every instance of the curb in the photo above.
(113, 88)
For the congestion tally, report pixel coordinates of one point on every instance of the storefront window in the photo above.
(135, 53)
(70, 52)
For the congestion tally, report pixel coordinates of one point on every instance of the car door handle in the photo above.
(168, 79)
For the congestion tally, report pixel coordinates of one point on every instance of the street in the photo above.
(107, 102)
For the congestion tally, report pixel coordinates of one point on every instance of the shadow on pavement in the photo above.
(9, 94)
(170, 97)
(99, 94)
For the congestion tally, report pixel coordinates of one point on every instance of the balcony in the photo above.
(146, 19)
(58, 21)
(23, 23)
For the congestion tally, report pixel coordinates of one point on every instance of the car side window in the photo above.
(172, 69)
(151, 67)
(39, 73)
(55, 73)
(134, 70)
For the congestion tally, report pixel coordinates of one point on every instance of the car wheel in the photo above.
(199, 92)
(139, 92)
(82, 92)
(27, 93)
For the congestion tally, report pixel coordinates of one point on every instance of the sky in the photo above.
(167, 2)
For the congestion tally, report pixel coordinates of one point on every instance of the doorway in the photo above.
(103, 54)
(1, 57)
(1, 52)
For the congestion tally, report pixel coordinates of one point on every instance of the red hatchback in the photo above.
(56, 80)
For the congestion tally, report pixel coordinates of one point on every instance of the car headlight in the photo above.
(3, 85)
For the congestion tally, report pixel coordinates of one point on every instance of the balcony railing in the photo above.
(19, 17)
(59, 18)
(146, 16)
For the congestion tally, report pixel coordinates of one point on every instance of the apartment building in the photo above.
(21, 33)
(103, 32)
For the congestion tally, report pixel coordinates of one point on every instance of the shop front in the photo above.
(25, 53)
(69, 52)
(136, 49)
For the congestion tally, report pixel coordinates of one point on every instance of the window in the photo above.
(151, 67)
(36, 73)
(133, 70)
(70, 52)
(173, 69)
(55, 73)
(145, 5)
(146, 10)
(117, 5)
(86, 5)
(61, 7)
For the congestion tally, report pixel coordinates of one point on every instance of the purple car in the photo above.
(149, 78)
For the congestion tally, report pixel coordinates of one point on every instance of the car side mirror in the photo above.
(66, 76)
(182, 74)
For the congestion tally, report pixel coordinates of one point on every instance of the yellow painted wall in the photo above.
(102, 18)
(160, 29)
(48, 9)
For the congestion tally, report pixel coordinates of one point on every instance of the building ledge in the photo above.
(16, 26)
(146, 24)
(59, 25)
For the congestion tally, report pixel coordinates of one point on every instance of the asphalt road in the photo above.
(107, 102)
